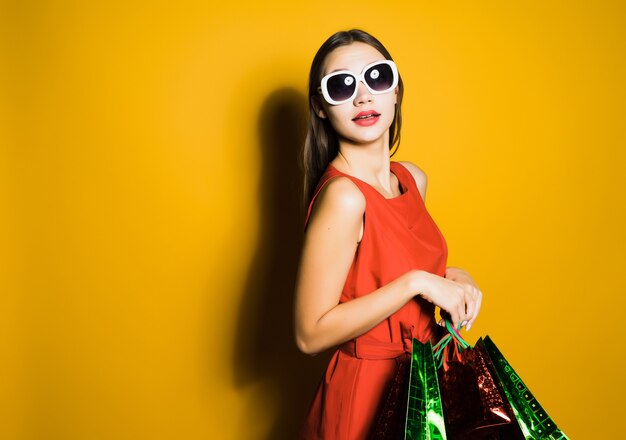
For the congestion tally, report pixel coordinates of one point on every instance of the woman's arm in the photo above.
(329, 246)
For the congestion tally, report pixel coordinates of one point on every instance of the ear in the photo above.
(395, 98)
(317, 107)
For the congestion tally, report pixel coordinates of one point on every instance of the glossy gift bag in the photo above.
(531, 417)
(391, 419)
(454, 391)
(424, 415)
(474, 404)
(412, 407)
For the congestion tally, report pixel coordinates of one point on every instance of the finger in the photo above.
(442, 322)
(461, 310)
(458, 306)
(479, 301)
(445, 316)
(470, 304)
(454, 317)
(461, 315)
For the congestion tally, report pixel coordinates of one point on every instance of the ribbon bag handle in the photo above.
(453, 335)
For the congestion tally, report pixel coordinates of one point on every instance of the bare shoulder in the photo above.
(421, 179)
(339, 198)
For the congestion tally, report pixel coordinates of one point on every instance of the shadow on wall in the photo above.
(266, 351)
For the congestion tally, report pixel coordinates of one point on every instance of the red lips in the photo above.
(366, 113)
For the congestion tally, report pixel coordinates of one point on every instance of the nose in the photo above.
(363, 94)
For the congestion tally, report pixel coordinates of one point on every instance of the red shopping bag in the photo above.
(474, 404)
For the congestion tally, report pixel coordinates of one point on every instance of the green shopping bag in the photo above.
(424, 416)
(531, 417)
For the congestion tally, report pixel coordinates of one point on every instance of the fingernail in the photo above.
(468, 327)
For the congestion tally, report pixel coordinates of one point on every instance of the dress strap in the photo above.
(404, 175)
(418, 206)
(330, 173)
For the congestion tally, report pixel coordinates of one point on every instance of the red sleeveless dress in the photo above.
(399, 235)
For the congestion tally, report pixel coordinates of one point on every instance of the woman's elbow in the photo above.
(305, 344)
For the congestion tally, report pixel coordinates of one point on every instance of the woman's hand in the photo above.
(449, 295)
(472, 294)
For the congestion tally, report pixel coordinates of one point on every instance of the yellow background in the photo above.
(151, 227)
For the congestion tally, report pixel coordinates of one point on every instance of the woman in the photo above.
(373, 261)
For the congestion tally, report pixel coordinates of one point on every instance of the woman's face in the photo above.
(355, 57)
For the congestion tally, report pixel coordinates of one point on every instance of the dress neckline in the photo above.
(403, 186)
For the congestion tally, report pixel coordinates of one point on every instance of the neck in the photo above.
(369, 162)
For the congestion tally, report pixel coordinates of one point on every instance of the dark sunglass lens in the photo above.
(341, 86)
(379, 77)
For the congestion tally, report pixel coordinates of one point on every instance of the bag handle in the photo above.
(453, 334)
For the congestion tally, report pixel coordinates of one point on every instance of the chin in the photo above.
(365, 139)
(374, 135)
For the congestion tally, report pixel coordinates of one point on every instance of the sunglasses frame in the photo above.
(323, 88)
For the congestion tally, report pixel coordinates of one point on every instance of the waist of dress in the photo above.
(367, 349)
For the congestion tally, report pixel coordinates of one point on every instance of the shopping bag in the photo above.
(454, 391)
(391, 418)
(474, 404)
(424, 415)
(531, 417)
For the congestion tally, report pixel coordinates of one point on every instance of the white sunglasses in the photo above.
(341, 86)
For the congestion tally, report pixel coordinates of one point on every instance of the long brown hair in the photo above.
(321, 144)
